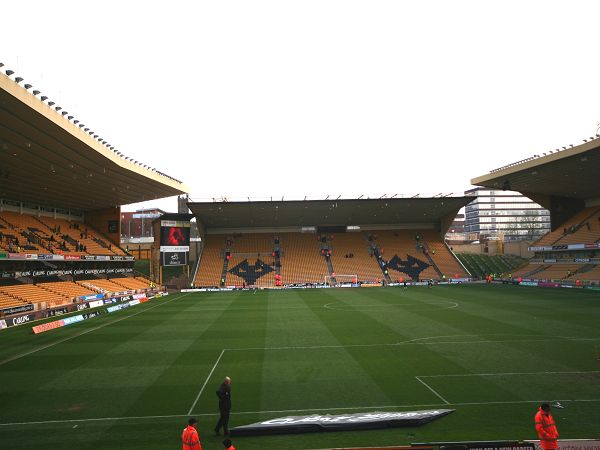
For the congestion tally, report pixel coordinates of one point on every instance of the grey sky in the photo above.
(294, 98)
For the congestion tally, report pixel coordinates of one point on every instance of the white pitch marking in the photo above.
(432, 390)
(13, 358)
(427, 405)
(205, 383)
(503, 373)
(413, 342)
(381, 307)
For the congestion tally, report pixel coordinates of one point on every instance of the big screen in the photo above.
(174, 239)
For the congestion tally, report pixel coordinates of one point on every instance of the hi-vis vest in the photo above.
(546, 429)
(190, 439)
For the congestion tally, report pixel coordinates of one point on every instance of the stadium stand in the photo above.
(302, 260)
(590, 274)
(67, 289)
(9, 300)
(566, 184)
(62, 292)
(84, 234)
(256, 269)
(31, 293)
(115, 284)
(350, 256)
(558, 271)
(583, 228)
(446, 262)
(575, 230)
(48, 235)
(133, 283)
(211, 263)
(55, 224)
(402, 244)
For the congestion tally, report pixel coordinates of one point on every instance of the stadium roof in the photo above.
(361, 212)
(46, 158)
(571, 173)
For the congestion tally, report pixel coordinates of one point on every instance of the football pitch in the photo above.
(130, 379)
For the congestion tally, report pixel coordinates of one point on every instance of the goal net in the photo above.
(337, 280)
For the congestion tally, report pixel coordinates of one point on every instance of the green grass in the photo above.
(482, 349)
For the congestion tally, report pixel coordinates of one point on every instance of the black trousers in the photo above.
(223, 421)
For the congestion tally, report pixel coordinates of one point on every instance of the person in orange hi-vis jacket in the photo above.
(227, 445)
(189, 437)
(546, 428)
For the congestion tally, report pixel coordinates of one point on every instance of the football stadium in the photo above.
(351, 316)
(308, 324)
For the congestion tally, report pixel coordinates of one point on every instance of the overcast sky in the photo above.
(293, 98)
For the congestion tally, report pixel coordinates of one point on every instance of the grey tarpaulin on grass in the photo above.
(343, 422)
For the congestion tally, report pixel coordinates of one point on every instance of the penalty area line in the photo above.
(433, 390)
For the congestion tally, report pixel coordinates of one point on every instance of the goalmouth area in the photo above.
(130, 379)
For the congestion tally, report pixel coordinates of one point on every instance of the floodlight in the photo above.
(43, 98)
(36, 92)
(27, 86)
(19, 79)
(9, 72)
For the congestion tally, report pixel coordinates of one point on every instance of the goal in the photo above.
(340, 279)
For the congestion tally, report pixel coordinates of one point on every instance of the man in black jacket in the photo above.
(224, 394)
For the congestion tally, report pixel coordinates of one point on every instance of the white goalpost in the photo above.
(336, 280)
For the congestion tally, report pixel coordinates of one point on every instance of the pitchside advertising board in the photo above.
(174, 242)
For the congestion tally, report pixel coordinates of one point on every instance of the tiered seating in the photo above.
(93, 247)
(253, 243)
(7, 301)
(211, 264)
(102, 285)
(9, 234)
(253, 247)
(592, 275)
(66, 289)
(557, 272)
(402, 243)
(266, 280)
(588, 231)
(301, 261)
(526, 270)
(34, 294)
(558, 237)
(442, 257)
(132, 283)
(43, 228)
(361, 264)
(16, 224)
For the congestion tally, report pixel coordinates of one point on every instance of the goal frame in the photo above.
(350, 279)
